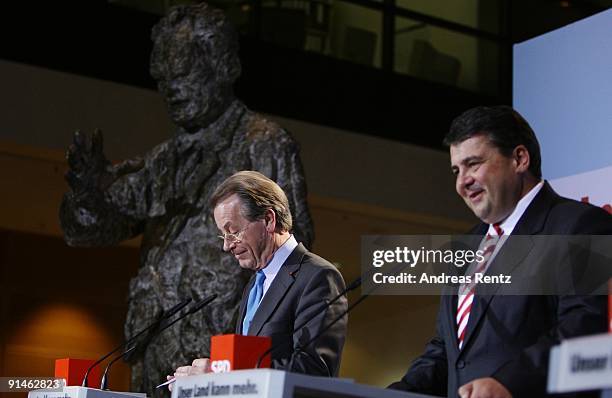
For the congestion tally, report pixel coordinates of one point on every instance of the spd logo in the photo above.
(220, 366)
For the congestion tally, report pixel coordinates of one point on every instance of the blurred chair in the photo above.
(428, 63)
(359, 45)
(284, 26)
(319, 22)
(290, 22)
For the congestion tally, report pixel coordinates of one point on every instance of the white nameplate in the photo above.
(239, 383)
(579, 364)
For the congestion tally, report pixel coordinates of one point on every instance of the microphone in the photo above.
(355, 284)
(163, 326)
(352, 286)
(141, 345)
(194, 308)
(332, 323)
(167, 314)
(104, 382)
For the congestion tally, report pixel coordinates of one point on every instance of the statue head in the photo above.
(195, 62)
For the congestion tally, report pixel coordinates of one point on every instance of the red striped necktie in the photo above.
(466, 291)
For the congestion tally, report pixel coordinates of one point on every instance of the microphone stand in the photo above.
(316, 336)
(352, 286)
(168, 314)
(104, 382)
(300, 348)
(195, 308)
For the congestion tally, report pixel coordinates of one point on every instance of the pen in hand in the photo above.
(168, 382)
(199, 366)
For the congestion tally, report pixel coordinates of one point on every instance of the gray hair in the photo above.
(257, 194)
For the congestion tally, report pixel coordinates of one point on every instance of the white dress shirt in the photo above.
(278, 259)
(510, 222)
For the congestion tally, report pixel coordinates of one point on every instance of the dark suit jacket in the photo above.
(509, 337)
(303, 285)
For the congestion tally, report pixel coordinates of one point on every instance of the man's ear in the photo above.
(270, 219)
(521, 158)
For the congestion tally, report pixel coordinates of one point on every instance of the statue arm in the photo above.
(102, 206)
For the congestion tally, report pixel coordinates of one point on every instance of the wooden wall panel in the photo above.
(57, 301)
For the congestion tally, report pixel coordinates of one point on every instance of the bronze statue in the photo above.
(164, 195)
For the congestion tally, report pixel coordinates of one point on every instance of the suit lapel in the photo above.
(533, 220)
(450, 303)
(512, 253)
(277, 290)
(243, 303)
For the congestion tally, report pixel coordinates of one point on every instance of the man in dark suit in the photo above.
(493, 345)
(290, 285)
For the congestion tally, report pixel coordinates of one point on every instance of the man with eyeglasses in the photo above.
(289, 286)
(163, 195)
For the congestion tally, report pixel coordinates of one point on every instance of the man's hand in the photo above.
(198, 366)
(486, 387)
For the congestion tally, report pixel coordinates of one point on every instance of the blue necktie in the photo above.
(254, 298)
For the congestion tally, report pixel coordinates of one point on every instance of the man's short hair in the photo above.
(211, 33)
(505, 128)
(257, 194)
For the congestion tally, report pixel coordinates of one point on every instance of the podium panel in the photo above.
(83, 392)
(269, 383)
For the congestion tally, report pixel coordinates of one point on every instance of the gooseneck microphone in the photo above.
(163, 326)
(194, 308)
(356, 283)
(352, 286)
(165, 315)
(104, 382)
(300, 348)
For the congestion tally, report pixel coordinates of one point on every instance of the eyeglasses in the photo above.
(235, 237)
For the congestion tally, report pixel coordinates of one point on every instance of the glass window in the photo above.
(479, 14)
(428, 52)
(355, 34)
